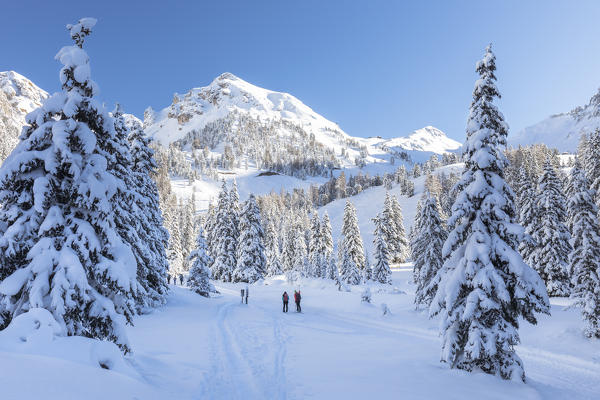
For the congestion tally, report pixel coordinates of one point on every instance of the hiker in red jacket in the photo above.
(285, 299)
(297, 299)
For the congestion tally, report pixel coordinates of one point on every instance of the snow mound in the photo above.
(36, 332)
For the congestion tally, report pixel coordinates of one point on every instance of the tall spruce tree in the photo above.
(315, 247)
(329, 262)
(585, 256)
(153, 263)
(381, 270)
(551, 255)
(200, 261)
(225, 238)
(401, 244)
(60, 248)
(484, 285)
(352, 254)
(428, 244)
(389, 228)
(274, 265)
(591, 162)
(527, 213)
(251, 260)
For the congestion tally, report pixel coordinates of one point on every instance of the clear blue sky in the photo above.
(375, 67)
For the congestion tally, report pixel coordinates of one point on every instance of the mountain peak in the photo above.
(562, 131)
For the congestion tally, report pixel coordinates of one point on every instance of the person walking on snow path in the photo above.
(247, 290)
(297, 298)
(242, 292)
(285, 299)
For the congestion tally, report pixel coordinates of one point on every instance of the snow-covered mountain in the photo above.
(228, 96)
(18, 97)
(428, 139)
(562, 131)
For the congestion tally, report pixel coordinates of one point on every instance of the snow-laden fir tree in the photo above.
(551, 255)
(591, 162)
(60, 249)
(226, 238)
(288, 247)
(368, 271)
(585, 256)
(174, 250)
(381, 269)
(200, 262)
(527, 213)
(352, 253)
(315, 247)
(153, 263)
(330, 271)
(388, 228)
(427, 249)
(274, 265)
(401, 244)
(210, 227)
(484, 286)
(187, 223)
(300, 265)
(251, 260)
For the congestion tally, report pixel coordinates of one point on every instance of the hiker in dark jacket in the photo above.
(285, 299)
(297, 298)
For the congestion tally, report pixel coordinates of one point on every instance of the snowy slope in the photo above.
(370, 202)
(18, 97)
(562, 131)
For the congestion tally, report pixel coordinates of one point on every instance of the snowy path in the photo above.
(247, 361)
(196, 348)
(339, 347)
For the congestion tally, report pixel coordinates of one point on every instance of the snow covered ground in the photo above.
(338, 348)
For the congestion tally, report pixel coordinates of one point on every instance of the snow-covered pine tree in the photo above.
(152, 270)
(234, 208)
(251, 260)
(352, 253)
(200, 262)
(428, 244)
(315, 247)
(274, 265)
(210, 225)
(401, 245)
(484, 284)
(585, 256)
(188, 230)
(381, 270)
(130, 214)
(60, 249)
(327, 249)
(388, 228)
(591, 162)
(226, 238)
(527, 213)
(551, 255)
(174, 250)
(300, 263)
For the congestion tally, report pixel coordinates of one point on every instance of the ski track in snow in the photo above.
(241, 360)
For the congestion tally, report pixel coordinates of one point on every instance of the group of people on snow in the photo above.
(174, 277)
(297, 297)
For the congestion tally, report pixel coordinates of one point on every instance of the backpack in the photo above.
(285, 297)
